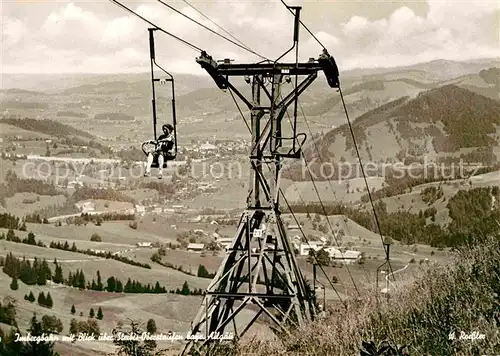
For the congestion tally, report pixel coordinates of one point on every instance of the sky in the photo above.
(40, 36)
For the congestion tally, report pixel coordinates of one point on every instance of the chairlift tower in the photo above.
(260, 267)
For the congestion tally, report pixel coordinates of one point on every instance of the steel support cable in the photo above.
(329, 182)
(353, 137)
(324, 212)
(293, 215)
(364, 177)
(324, 209)
(212, 31)
(157, 27)
(313, 252)
(217, 25)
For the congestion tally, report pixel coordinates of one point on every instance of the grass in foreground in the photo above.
(462, 296)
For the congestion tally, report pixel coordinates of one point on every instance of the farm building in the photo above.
(314, 245)
(85, 207)
(196, 247)
(345, 257)
(144, 244)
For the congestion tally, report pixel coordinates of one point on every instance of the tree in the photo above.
(111, 284)
(91, 313)
(99, 282)
(185, 288)
(99, 313)
(73, 327)
(10, 235)
(48, 301)
(151, 328)
(9, 346)
(37, 347)
(81, 280)
(118, 286)
(134, 346)
(58, 277)
(96, 238)
(73, 309)
(51, 324)
(31, 239)
(31, 297)
(322, 257)
(362, 258)
(90, 327)
(13, 284)
(41, 299)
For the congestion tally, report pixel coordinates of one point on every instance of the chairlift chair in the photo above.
(151, 146)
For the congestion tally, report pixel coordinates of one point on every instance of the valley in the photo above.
(72, 190)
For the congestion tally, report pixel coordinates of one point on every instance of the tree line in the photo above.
(42, 300)
(108, 255)
(31, 240)
(471, 212)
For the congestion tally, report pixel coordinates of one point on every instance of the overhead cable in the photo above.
(364, 176)
(157, 27)
(215, 24)
(212, 31)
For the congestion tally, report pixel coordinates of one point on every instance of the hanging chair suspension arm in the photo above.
(152, 58)
(169, 79)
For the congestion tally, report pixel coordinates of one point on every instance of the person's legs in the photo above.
(161, 160)
(148, 164)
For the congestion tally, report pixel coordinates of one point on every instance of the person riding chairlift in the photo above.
(164, 146)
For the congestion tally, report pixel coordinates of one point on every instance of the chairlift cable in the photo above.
(293, 215)
(157, 27)
(353, 136)
(209, 29)
(214, 23)
(314, 252)
(377, 221)
(329, 182)
(322, 205)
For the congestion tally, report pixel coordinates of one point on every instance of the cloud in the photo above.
(13, 31)
(77, 37)
(449, 30)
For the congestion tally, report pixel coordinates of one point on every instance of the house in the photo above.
(85, 207)
(343, 256)
(195, 247)
(208, 147)
(314, 245)
(140, 209)
(224, 242)
(144, 244)
(99, 251)
(293, 227)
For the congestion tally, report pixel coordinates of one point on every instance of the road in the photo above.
(386, 290)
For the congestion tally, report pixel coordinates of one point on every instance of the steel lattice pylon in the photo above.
(259, 267)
